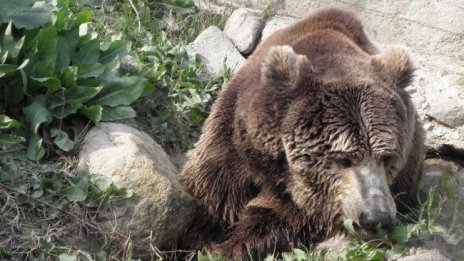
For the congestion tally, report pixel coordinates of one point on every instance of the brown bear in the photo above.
(315, 128)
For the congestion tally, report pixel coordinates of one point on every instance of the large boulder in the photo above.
(159, 210)
(438, 94)
(244, 27)
(217, 51)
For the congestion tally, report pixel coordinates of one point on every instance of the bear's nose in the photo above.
(373, 219)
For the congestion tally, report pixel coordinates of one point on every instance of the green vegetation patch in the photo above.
(58, 74)
(48, 211)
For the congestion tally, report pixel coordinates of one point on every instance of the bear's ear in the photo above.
(394, 66)
(282, 66)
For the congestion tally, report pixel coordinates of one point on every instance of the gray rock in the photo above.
(439, 99)
(244, 27)
(421, 254)
(436, 170)
(217, 51)
(159, 211)
(276, 23)
(446, 178)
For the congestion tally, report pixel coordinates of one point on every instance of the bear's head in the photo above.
(345, 125)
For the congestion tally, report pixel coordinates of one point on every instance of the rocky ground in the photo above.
(438, 93)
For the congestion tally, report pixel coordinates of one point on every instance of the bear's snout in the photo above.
(372, 219)
(367, 198)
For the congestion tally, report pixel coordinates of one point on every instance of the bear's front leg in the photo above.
(261, 230)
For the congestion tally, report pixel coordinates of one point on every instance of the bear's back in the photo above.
(326, 31)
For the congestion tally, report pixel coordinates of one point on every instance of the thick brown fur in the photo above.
(262, 172)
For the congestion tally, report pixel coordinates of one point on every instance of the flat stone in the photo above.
(217, 51)
(244, 27)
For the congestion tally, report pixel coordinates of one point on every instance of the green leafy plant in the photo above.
(183, 95)
(6, 126)
(61, 72)
(174, 112)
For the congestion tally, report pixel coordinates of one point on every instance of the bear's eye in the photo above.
(387, 159)
(344, 162)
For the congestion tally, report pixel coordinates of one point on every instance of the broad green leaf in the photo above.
(118, 49)
(120, 91)
(52, 84)
(27, 14)
(9, 44)
(401, 234)
(37, 113)
(88, 53)
(117, 113)
(7, 68)
(61, 22)
(14, 91)
(62, 140)
(94, 112)
(82, 93)
(63, 55)
(83, 17)
(8, 123)
(43, 68)
(10, 139)
(46, 42)
(71, 37)
(35, 151)
(43, 62)
(68, 76)
(88, 70)
(68, 101)
(74, 194)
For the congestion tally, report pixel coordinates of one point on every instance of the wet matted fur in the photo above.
(314, 128)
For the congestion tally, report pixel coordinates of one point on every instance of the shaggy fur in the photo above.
(297, 137)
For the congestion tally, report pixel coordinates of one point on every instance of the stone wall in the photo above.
(429, 27)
